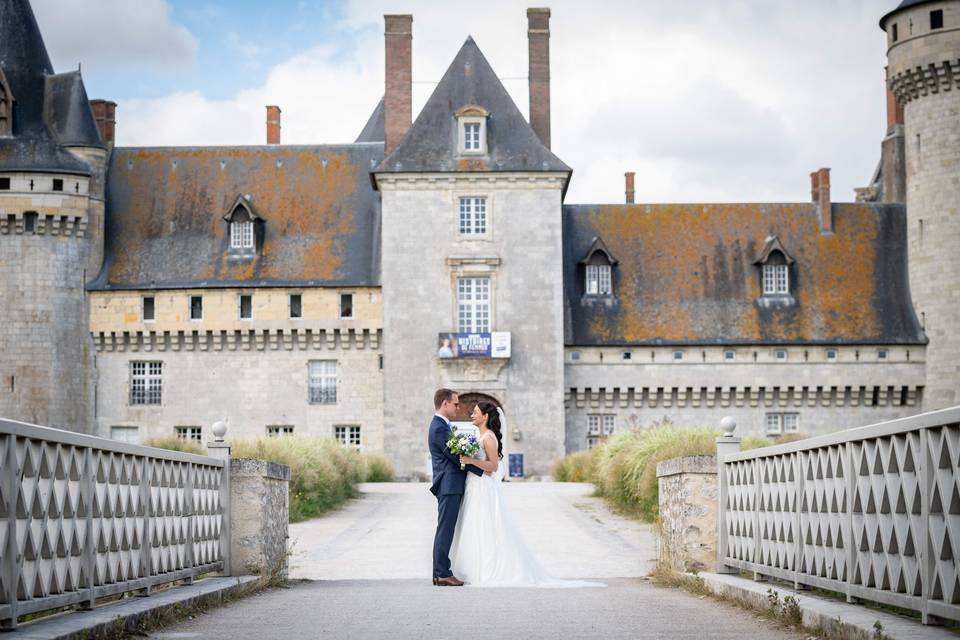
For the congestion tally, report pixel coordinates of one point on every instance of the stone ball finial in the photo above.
(219, 430)
(729, 425)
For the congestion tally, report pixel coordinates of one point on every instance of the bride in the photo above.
(487, 549)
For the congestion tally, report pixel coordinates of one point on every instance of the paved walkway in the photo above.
(366, 574)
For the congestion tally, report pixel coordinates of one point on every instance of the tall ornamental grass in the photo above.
(624, 468)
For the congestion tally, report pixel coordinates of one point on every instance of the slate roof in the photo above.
(906, 4)
(374, 130)
(26, 66)
(165, 208)
(68, 111)
(430, 144)
(686, 275)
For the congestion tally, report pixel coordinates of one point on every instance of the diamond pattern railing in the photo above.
(85, 517)
(872, 512)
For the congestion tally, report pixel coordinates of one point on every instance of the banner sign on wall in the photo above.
(474, 345)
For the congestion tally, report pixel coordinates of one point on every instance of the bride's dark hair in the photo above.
(493, 423)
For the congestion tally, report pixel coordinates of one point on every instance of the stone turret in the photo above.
(52, 165)
(923, 72)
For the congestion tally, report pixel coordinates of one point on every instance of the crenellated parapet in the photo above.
(312, 339)
(911, 83)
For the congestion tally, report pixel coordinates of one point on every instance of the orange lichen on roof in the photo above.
(686, 273)
(167, 207)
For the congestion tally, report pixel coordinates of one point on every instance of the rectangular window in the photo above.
(473, 305)
(348, 435)
(146, 382)
(4, 184)
(780, 354)
(574, 355)
(58, 184)
(593, 280)
(776, 279)
(831, 354)
(30, 219)
(678, 355)
(275, 430)
(473, 216)
(296, 306)
(148, 309)
(882, 354)
(346, 305)
(599, 280)
(626, 355)
(241, 235)
(593, 425)
(791, 422)
(130, 435)
(896, 32)
(196, 307)
(609, 423)
(729, 354)
(323, 381)
(194, 434)
(246, 307)
(471, 136)
(772, 424)
(936, 19)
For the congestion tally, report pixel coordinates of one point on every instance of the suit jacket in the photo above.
(447, 476)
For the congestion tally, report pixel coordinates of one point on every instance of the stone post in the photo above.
(726, 444)
(259, 516)
(688, 512)
(221, 450)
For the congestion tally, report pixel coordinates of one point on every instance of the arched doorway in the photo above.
(468, 401)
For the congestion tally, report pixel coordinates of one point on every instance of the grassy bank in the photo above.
(323, 474)
(624, 468)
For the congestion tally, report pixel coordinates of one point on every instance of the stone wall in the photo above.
(259, 503)
(855, 388)
(688, 497)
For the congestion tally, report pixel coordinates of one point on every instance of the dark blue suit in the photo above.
(448, 485)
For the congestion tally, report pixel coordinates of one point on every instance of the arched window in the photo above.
(774, 263)
(6, 107)
(598, 270)
(242, 230)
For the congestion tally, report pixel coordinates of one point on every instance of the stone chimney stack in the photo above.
(820, 193)
(629, 186)
(398, 90)
(273, 124)
(538, 35)
(105, 114)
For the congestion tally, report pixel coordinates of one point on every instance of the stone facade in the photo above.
(259, 509)
(420, 273)
(688, 502)
(924, 73)
(855, 387)
(254, 373)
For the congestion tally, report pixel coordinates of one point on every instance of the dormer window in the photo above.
(6, 106)
(774, 263)
(472, 130)
(242, 220)
(598, 270)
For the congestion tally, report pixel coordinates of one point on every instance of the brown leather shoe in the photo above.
(449, 581)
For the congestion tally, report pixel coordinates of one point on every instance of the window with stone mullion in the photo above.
(473, 216)
(146, 382)
(241, 235)
(323, 381)
(776, 279)
(473, 305)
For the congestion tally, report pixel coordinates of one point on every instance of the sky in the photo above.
(706, 100)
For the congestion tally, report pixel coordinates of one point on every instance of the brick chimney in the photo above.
(893, 154)
(629, 180)
(820, 188)
(105, 114)
(894, 111)
(538, 35)
(398, 90)
(273, 124)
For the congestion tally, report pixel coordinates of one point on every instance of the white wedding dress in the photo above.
(487, 549)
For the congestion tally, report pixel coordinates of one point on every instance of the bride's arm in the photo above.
(492, 463)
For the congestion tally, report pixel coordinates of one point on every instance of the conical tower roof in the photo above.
(26, 66)
(430, 145)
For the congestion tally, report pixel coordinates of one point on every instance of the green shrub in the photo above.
(323, 474)
(376, 468)
(576, 467)
(174, 443)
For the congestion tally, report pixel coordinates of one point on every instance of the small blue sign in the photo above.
(516, 465)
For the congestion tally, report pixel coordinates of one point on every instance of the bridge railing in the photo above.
(84, 518)
(872, 512)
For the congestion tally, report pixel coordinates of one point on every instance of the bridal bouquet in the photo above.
(463, 444)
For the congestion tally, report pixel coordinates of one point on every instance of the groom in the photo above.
(448, 484)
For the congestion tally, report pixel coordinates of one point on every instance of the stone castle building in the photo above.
(330, 289)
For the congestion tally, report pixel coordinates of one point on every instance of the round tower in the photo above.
(923, 72)
(52, 165)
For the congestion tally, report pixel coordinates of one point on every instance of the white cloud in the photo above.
(114, 32)
(733, 101)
